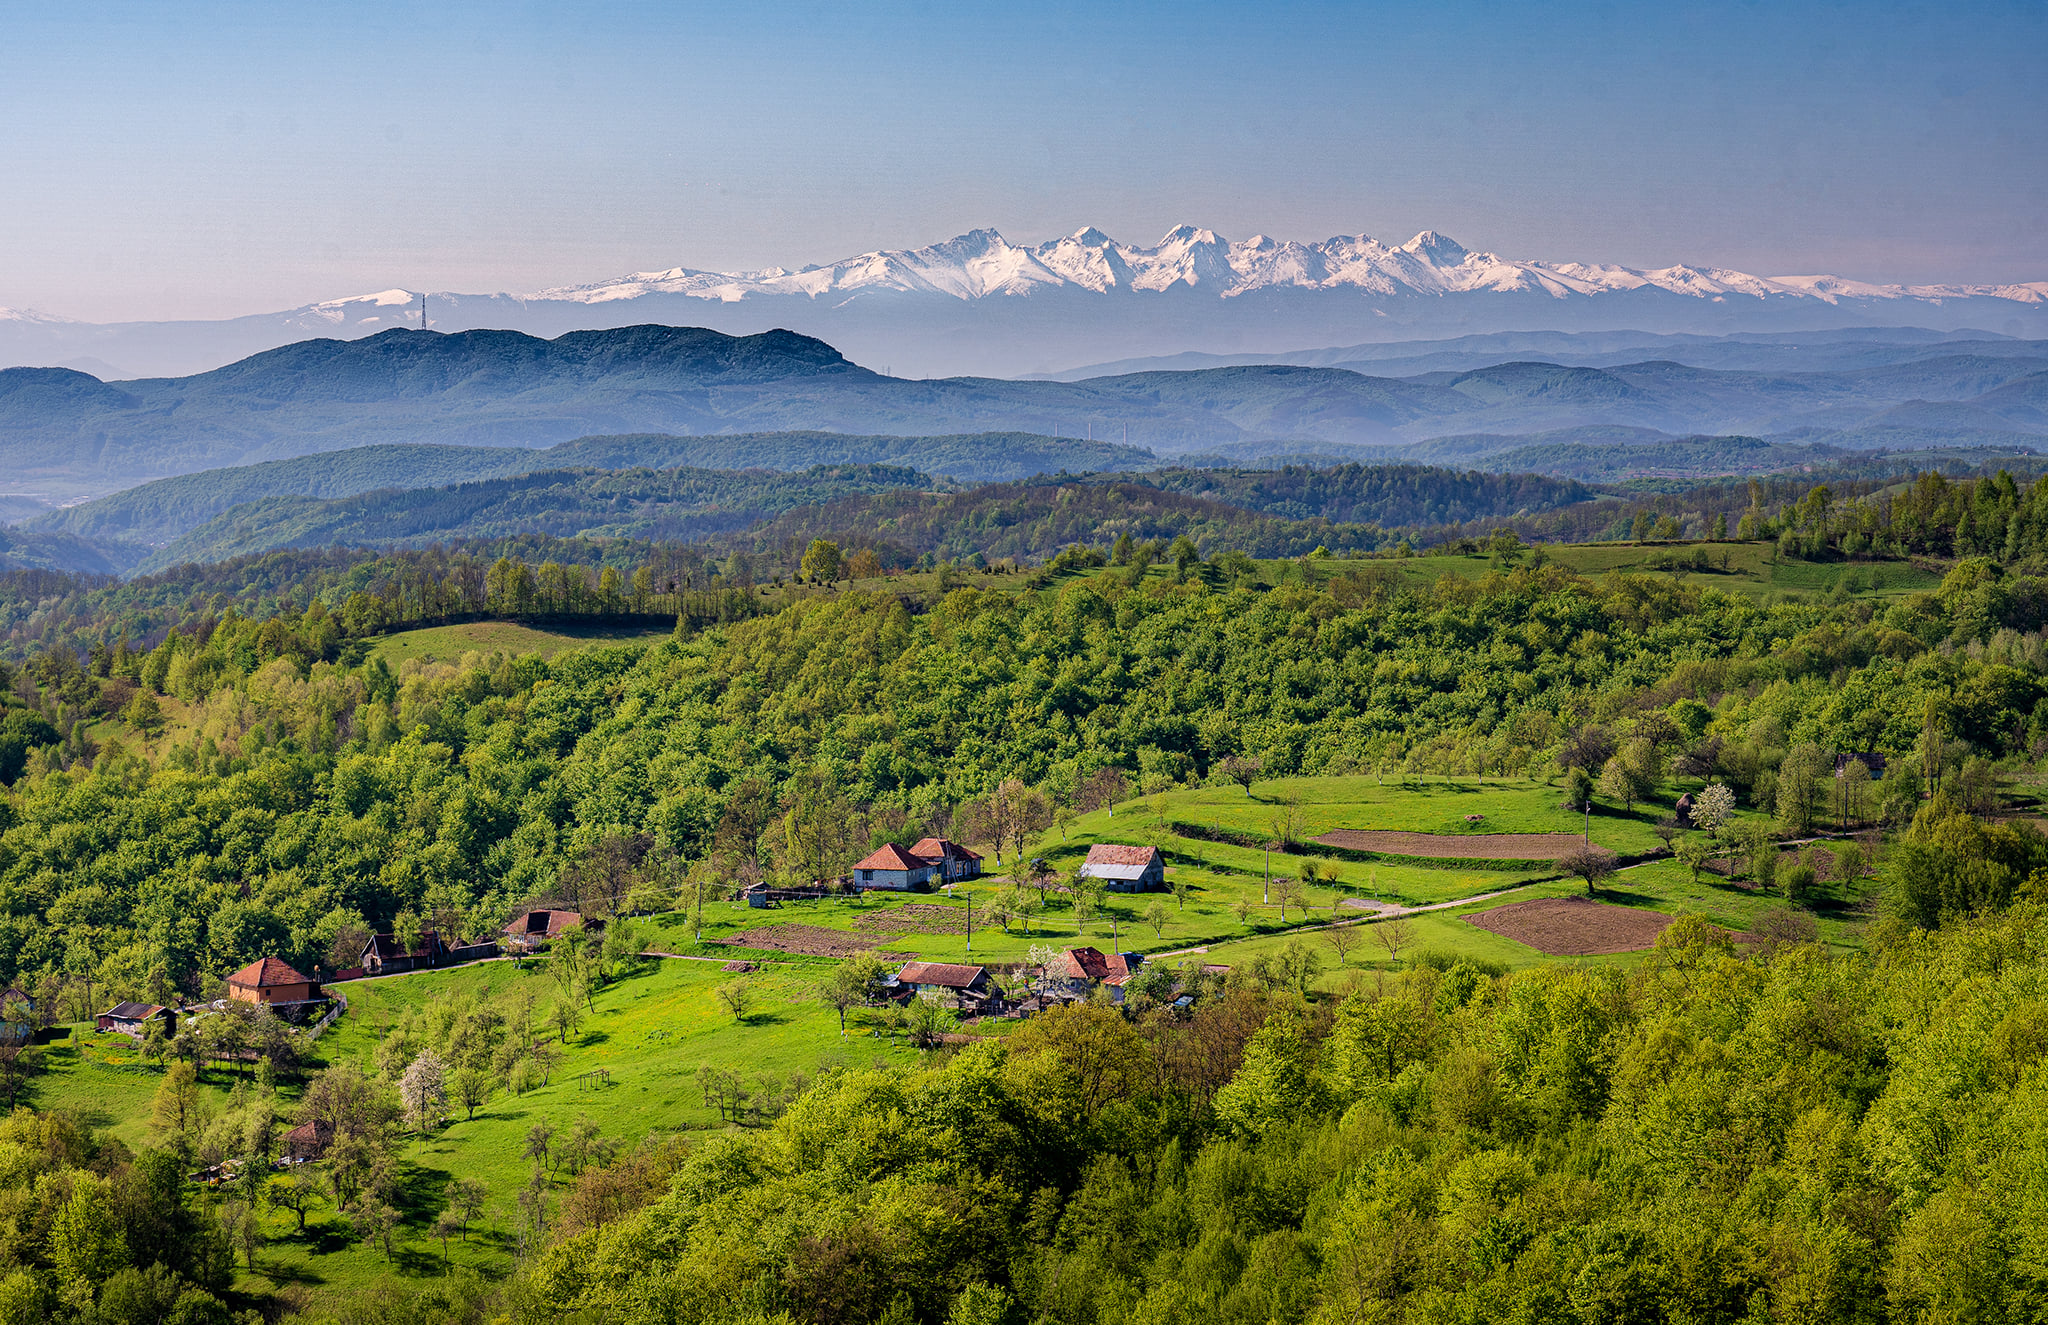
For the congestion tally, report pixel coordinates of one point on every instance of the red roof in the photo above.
(1109, 854)
(1092, 964)
(543, 922)
(265, 972)
(892, 857)
(938, 848)
(944, 974)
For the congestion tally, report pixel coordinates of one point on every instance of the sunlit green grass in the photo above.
(449, 643)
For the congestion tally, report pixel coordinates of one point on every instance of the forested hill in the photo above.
(1033, 521)
(304, 792)
(154, 514)
(688, 505)
(682, 505)
(1707, 1131)
(1389, 495)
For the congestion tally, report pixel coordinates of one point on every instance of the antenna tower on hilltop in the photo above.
(423, 310)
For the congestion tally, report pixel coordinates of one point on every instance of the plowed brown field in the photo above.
(1454, 846)
(1573, 926)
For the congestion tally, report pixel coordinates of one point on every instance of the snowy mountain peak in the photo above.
(1438, 250)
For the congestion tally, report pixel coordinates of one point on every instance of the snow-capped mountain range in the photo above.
(982, 264)
(980, 304)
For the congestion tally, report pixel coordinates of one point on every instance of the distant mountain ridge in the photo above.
(978, 303)
(65, 434)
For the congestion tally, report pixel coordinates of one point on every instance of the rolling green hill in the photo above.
(151, 515)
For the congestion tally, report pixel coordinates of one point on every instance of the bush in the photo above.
(1436, 959)
(1799, 882)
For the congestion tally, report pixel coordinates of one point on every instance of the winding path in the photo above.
(1385, 913)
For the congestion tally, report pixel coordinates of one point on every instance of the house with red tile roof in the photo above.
(951, 861)
(1091, 966)
(533, 931)
(1126, 869)
(269, 980)
(949, 977)
(894, 868)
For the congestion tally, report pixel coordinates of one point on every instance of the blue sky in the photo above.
(209, 159)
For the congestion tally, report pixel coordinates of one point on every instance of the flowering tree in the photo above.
(1713, 807)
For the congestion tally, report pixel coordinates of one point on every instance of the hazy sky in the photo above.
(209, 159)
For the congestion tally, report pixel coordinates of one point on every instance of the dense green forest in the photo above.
(1390, 495)
(209, 769)
(311, 795)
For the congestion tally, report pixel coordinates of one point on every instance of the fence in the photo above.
(340, 1002)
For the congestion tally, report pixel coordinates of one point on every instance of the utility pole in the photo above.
(970, 920)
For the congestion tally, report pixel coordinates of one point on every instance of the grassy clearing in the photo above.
(449, 643)
(1839, 909)
(1220, 875)
(105, 1080)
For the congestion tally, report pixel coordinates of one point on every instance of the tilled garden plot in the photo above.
(1573, 926)
(916, 918)
(1453, 846)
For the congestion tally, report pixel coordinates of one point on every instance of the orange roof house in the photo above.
(950, 976)
(268, 980)
(892, 867)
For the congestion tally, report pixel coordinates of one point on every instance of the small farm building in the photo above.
(1124, 869)
(134, 1018)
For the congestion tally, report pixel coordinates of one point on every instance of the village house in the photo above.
(952, 861)
(1125, 869)
(969, 986)
(893, 868)
(533, 931)
(269, 980)
(134, 1018)
(308, 1141)
(1080, 970)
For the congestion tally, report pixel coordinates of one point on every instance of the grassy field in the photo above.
(105, 1080)
(449, 643)
(1839, 910)
(1221, 876)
